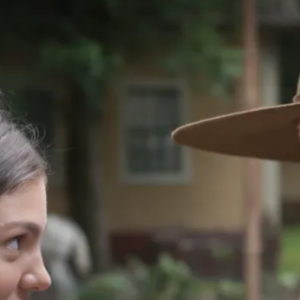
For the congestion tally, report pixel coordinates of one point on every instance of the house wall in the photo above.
(213, 197)
(211, 200)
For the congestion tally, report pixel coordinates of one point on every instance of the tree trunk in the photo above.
(82, 173)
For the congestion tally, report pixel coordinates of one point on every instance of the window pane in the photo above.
(165, 155)
(152, 114)
(168, 112)
(139, 150)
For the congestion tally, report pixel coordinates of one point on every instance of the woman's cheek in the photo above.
(9, 279)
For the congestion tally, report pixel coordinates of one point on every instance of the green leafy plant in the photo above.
(169, 279)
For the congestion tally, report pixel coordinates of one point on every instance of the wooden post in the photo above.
(251, 168)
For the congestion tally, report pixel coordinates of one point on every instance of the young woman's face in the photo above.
(23, 216)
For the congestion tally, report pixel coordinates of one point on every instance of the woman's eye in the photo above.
(14, 244)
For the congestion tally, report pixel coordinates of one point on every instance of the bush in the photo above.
(167, 280)
(173, 280)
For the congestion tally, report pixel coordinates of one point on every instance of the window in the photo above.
(149, 113)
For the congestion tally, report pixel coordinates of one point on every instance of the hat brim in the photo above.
(265, 133)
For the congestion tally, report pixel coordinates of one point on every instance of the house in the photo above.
(150, 184)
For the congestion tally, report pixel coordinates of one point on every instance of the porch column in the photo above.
(271, 175)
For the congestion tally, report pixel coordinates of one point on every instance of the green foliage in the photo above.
(290, 259)
(289, 280)
(167, 280)
(84, 57)
(170, 279)
(111, 286)
(87, 40)
(83, 60)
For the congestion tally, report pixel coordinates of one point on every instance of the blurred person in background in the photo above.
(66, 254)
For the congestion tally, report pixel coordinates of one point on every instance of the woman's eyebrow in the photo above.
(30, 226)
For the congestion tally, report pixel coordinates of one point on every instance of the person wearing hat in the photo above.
(271, 133)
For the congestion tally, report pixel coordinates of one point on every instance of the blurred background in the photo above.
(106, 82)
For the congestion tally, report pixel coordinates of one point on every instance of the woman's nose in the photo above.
(37, 278)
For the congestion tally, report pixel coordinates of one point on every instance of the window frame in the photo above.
(159, 178)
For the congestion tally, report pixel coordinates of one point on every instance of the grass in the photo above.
(290, 254)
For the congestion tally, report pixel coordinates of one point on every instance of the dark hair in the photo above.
(20, 159)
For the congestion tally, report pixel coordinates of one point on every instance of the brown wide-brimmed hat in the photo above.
(265, 133)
